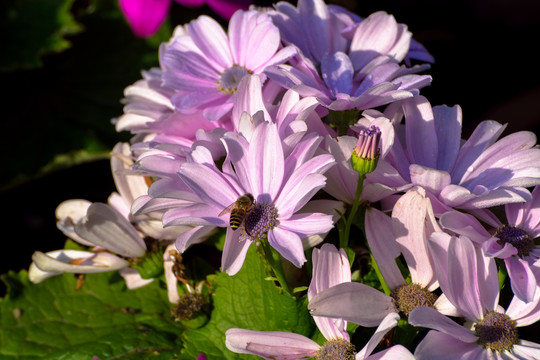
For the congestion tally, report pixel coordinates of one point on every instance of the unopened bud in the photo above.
(366, 153)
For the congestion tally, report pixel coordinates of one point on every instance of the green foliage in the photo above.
(246, 301)
(64, 104)
(53, 320)
(35, 28)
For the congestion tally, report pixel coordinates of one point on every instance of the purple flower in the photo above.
(478, 173)
(405, 233)
(512, 241)
(224, 8)
(145, 17)
(280, 182)
(490, 332)
(207, 65)
(330, 267)
(363, 75)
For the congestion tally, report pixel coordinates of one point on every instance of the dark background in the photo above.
(486, 61)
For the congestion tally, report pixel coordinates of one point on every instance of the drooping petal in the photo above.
(270, 344)
(389, 322)
(133, 279)
(74, 261)
(438, 345)
(383, 246)
(522, 279)
(288, 244)
(354, 302)
(104, 226)
(408, 223)
(330, 267)
(234, 252)
(430, 318)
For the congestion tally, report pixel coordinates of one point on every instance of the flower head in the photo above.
(207, 65)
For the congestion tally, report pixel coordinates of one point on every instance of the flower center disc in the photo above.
(517, 237)
(336, 349)
(230, 78)
(410, 296)
(497, 332)
(259, 220)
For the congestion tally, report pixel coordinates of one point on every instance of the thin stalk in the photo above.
(344, 235)
(272, 259)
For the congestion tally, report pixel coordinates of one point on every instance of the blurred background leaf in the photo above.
(35, 28)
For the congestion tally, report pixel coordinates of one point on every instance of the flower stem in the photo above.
(344, 235)
(272, 259)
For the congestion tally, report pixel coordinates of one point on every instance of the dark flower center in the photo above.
(497, 332)
(410, 296)
(516, 237)
(188, 305)
(336, 349)
(259, 220)
(230, 78)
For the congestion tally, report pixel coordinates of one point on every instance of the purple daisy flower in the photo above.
(363, 75)
(512, 241)
(207, 65)
(280, 182)
(478, 173)
(489, 331)
(330, 267)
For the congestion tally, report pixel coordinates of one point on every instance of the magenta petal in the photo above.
(270, 344)
(145, 16)
(354, 302)
(226, 8)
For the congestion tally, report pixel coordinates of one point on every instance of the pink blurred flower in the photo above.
(145, 17)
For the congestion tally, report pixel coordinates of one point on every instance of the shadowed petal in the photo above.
(428, 317)
(288, 244)
(270, 344)
(440, 346)
(354, 302)
(234, 252)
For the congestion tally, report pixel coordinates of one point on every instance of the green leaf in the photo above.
(246, 301)
(35, 28)
(53, 320)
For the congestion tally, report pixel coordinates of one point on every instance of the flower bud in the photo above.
(366, 153)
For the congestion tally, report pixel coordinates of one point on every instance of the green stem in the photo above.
(385, 287)
(344, 235)
(272, 258)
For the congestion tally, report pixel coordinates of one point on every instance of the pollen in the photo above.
(516, 237)
(230, 78)
(259, 220)
(336, 349)
(497, 332)
(410, 296)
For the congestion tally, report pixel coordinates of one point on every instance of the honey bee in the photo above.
(238, 210)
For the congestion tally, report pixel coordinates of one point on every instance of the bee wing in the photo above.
(228, 209)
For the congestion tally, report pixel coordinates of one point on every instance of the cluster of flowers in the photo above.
(317, 114)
